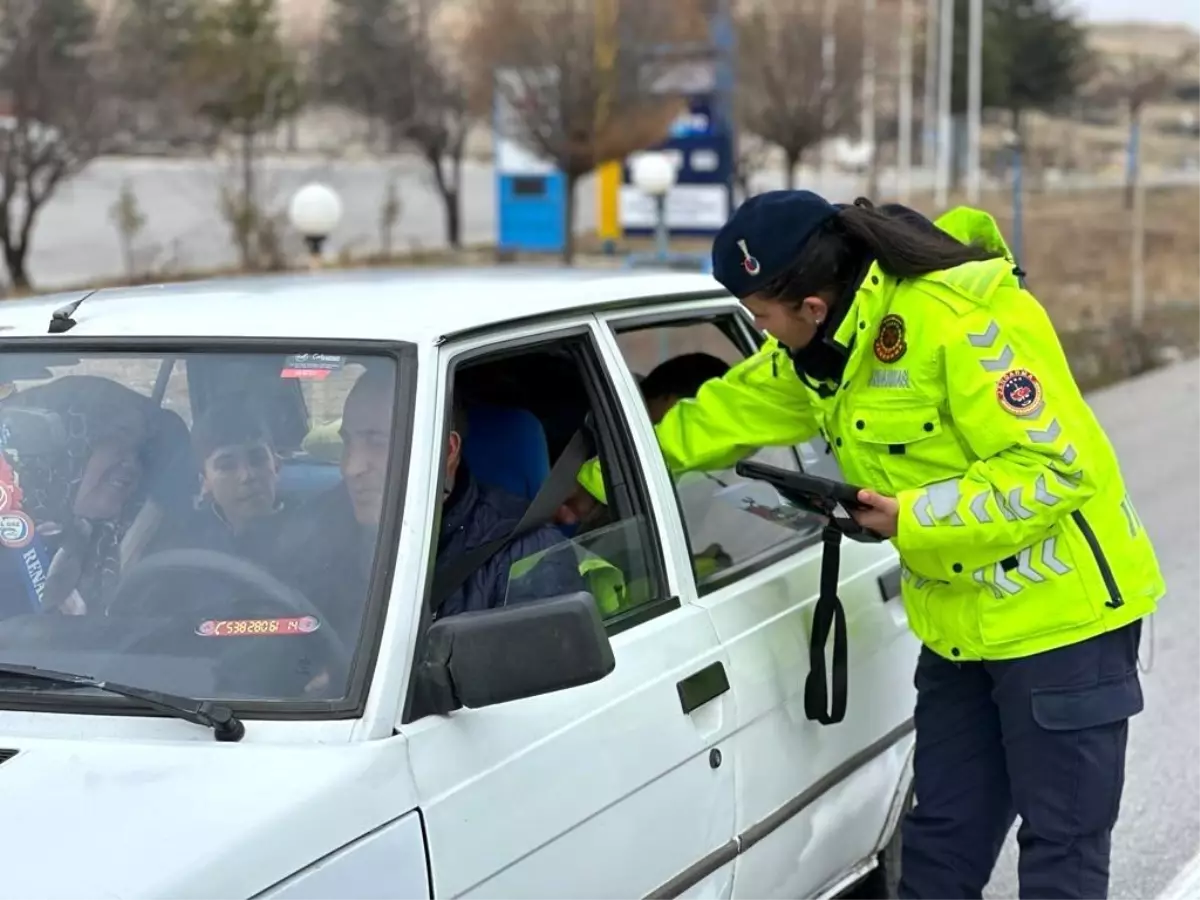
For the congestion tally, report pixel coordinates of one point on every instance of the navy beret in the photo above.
(764, 236)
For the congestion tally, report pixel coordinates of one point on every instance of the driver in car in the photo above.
(472, 515)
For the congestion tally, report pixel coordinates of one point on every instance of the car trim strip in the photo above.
(731, 850)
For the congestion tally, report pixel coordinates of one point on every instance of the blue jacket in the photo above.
(475, 514)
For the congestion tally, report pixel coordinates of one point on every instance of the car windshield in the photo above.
(201, 523)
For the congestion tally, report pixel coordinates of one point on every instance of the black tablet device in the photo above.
(820, 494)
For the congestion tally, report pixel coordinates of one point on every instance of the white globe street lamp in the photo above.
(314, 212)
(654, 175)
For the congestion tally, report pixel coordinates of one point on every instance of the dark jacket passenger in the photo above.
(476, 514)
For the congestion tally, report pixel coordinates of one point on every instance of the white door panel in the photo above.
(606, 790)
(764, 622)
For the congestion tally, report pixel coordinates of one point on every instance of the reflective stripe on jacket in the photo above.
(1016, 533)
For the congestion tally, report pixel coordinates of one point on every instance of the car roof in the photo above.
(390, 304)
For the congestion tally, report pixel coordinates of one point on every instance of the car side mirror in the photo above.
(492, 656)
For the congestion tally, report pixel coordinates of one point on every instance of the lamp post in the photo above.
(654, 175)
(314, 212)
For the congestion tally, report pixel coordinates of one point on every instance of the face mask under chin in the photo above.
(823, 359)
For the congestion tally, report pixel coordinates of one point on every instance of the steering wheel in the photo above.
(170, 564)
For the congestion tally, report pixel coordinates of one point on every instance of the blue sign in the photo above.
(698, 204)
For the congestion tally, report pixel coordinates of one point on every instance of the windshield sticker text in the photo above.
(311, 366)
(257, 627)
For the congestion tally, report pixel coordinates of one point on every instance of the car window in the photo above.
(512, 428)
(156, 530)
(734, 525)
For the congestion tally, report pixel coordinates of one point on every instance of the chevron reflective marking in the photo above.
(1067, 481)
(1001, 363)
(1014, 503)
(943, 496)
(980, 576)
(1050, 561)
(1025, 570)
(1041, 495)
(1068, 455)
(921, 509)
(1005, 509)
(987, 338)
(979, 508)
(1137, 520)
(1047, 435)
(1003, 582)
(956, 520)
(1128, 510)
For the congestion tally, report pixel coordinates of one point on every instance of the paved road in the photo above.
(75, 240)
(1154, 422)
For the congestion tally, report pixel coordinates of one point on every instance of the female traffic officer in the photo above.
(941, 387)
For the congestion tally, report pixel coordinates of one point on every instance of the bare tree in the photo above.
(781, 96)
(384, 60)
(580, 91)
(129, 220)
(50, 75)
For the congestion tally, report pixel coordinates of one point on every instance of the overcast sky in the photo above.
(1158, 10)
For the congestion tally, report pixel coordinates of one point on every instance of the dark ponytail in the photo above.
(902, 241)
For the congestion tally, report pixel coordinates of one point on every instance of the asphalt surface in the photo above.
(75, 239)
(1154, 422)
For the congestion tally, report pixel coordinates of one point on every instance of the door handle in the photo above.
(701, 687)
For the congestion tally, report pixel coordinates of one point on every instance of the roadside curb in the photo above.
(1186, 884)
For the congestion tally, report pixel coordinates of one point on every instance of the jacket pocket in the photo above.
(910, 445)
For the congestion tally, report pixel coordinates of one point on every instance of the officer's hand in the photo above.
(882, 516)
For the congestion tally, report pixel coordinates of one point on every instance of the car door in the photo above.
(609, 789)
(812, 800)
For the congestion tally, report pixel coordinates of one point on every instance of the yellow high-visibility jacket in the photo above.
(1016, 533)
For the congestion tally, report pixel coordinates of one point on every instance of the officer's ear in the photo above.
(814, 308)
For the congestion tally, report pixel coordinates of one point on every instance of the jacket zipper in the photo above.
(1114, 592)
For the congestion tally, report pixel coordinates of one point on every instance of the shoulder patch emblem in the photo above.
(889, 343)
(1019, 392)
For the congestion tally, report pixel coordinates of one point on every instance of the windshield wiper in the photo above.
(225, 725)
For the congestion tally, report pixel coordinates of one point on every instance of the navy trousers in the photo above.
(1043, 738)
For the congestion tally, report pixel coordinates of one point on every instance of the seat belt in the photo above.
(558, 486)
(819, 705)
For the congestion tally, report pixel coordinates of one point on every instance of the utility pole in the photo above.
(1137, 268)
(974, 97)
(828, 58)
(905, 105)
(929, 110)
(868, 98)
(945, 135)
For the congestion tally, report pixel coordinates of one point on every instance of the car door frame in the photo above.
(644, 644)
(890, 752)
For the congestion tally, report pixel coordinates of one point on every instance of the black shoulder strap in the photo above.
(555, 490)
(829, 614)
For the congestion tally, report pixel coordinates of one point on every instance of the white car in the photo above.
(220, 673)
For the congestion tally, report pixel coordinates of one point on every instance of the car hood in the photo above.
(111, 819)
